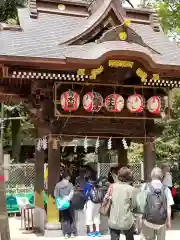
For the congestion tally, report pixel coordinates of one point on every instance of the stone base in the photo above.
(53, 230)
(53, 233)
(39, 219)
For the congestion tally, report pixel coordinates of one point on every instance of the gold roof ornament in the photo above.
(61, 7)
(81, 72)
(95, 72)
(127, 22)
(155, 77)
(122, 36)
(119, 63)
(143, 75)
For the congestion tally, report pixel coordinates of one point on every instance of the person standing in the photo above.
(80, 180)
(64, 189)
(157, 212)
(167, 181)
(121, 217)
(167, 177)
(112, 175)
(94, 198)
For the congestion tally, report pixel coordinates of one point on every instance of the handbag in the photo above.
(62, 204)
(140, 200)
(106, 205)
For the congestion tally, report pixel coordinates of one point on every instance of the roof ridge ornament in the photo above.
(33, 9)
(155, 22)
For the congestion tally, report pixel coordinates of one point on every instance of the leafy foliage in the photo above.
(16, 130)
(169, 13)
(8, 10)
(135, 153)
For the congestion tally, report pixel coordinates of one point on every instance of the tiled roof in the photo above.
(169, 50)
(42, 37)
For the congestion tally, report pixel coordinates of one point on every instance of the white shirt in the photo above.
(158, 184)
(167, 181)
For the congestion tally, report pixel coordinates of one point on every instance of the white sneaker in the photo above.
(73, 235)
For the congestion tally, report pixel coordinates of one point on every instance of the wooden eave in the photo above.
(167, 71)
(71, 9)
(67, 2)
(140, 10)
(107, 7)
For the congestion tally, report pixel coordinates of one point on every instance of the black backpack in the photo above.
(156, 205)
(96, 194)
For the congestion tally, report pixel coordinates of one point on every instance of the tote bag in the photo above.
(62, 204)
(141, 200)
(106, 205)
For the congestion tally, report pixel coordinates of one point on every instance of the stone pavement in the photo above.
(17, 234)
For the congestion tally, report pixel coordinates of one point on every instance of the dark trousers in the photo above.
(68, 221)
(115, 234)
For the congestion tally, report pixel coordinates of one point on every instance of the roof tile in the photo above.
(41, 38)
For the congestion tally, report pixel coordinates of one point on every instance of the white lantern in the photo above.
(70, 101)
(135, 103)
(154, 105)
(92, 102)
(114, 103)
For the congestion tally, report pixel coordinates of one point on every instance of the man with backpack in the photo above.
(157, 210)
(94, 198)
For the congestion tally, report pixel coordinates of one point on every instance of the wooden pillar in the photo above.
(39, 180)
(149, 159)
(53, 178)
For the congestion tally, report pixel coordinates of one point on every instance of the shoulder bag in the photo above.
(107, 202)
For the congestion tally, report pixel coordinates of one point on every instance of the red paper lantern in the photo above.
(154, 105)
(114, 103)
(92, 102)
(70, 101)
(135, 103)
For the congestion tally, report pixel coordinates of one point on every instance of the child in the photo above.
(94, 198)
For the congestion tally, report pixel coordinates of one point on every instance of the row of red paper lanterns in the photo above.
(93, 102)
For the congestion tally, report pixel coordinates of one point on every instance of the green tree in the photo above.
(8, 10)
(135, 153)
(17, 130)
(169, 13)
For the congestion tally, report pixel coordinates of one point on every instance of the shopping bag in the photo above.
(106, 207)
(141, 198)
(62, 204)
(107, 202)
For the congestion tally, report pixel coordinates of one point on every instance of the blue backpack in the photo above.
(96, 194)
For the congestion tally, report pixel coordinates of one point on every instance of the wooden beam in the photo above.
(149, 158)
(53, 178)
(109, 85)
(39, 179)
(75, 63)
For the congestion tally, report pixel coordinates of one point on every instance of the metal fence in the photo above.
(137, 168)
(21, 177)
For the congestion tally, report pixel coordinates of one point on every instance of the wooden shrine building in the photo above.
(88, 69)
